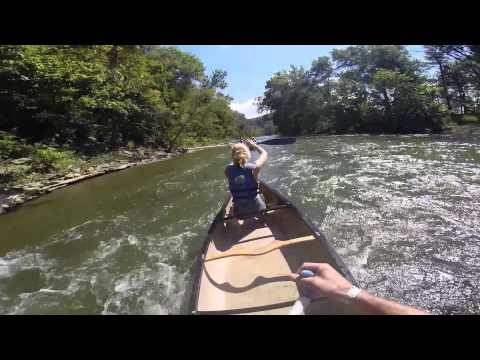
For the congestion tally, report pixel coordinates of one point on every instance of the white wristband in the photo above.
(353, 292)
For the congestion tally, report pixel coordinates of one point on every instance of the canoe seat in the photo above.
(246, 215)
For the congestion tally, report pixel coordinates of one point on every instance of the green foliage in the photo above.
(375, 89)
(95, 98)
(37, 158)
(99, 97)
(259, 126)
(47, 158)
(11, 147)
(457, 77)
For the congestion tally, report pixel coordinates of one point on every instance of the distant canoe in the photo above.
(275, 141)
(279, 141)
(258, 284)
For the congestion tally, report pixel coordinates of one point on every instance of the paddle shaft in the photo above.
(276, 141)
(276, 244)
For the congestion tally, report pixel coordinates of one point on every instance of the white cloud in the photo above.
(247, 108)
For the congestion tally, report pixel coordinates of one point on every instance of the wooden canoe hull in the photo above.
(259, 284)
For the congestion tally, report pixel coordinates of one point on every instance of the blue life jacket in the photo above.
(241, 181)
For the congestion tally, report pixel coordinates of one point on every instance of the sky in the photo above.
(250, 66)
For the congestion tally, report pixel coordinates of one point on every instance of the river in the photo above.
(402, 211)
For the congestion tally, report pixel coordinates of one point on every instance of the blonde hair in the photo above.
(240, 154)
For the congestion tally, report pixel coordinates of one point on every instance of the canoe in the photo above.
(276, 141)
(229, 279)
(279, 141)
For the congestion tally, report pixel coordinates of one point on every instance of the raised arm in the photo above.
(262, 159)
(328, 282)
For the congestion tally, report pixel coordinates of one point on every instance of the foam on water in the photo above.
(124, 274)
(138, 292)
(400, 212)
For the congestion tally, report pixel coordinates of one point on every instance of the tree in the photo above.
(200, 102)
(364, 88)
(461, 86)
(459, 74)
(436, 57)
(405, 101)
(469, 55)
(98, 97)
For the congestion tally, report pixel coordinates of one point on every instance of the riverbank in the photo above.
(18, 192)
(31, 187)
(466, 130)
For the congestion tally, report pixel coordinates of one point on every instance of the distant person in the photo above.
(244, 177)
(327, 282)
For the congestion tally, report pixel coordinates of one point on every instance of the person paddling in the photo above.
(244, 177)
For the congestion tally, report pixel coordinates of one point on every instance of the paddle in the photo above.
(278, 141)
(302, 303)
(275, 141)
(274, 245)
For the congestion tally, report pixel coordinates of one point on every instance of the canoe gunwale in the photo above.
(319, 236)
(201, 258)
(220, 218)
